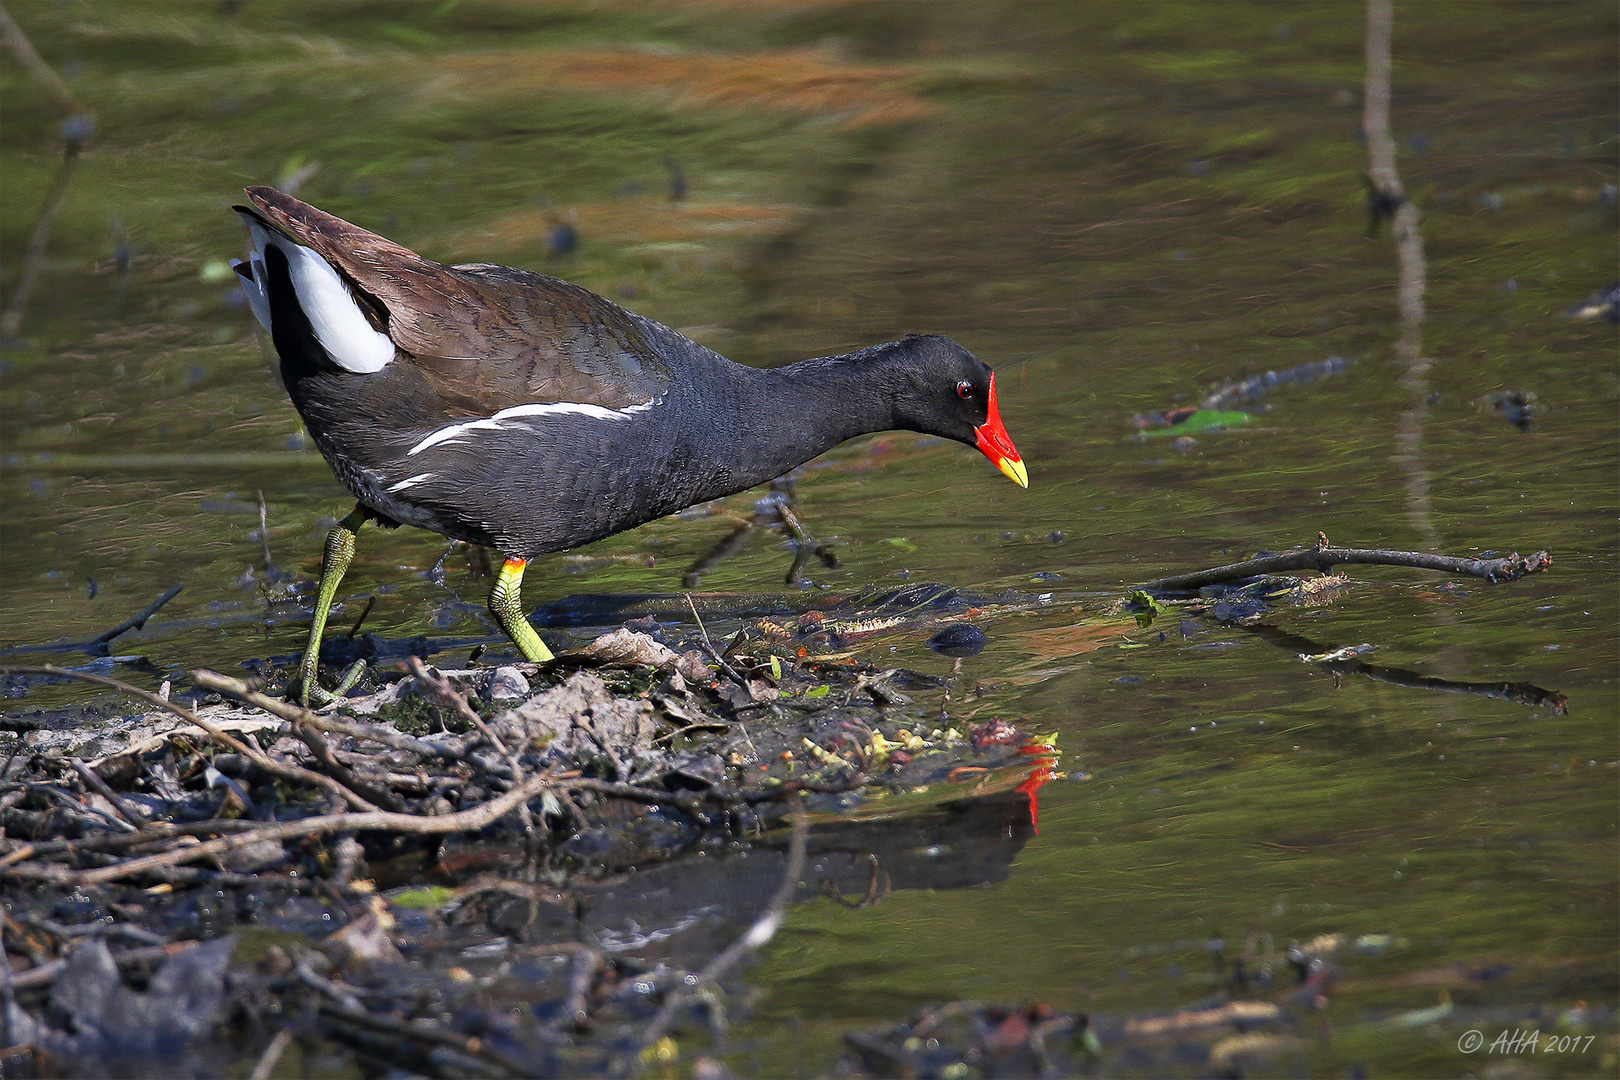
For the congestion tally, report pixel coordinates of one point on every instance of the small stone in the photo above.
(508, 684)
(760, 690)
(692, 668)
(695, 770)
(627, 648)
(959, 639)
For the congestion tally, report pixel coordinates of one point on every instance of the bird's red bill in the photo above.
(995, 444)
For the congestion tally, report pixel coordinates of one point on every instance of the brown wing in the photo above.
(484, 337)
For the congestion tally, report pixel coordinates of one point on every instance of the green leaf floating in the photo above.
(1203, 420)
(1150, 606)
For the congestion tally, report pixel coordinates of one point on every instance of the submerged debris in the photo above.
(1603, 304)
(1517, 407)
(1219, 408)
(385, 838)
(967, 1038)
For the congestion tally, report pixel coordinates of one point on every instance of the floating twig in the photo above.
(139, 621)
(1348, 662)
(1323, 557)
(371, 602)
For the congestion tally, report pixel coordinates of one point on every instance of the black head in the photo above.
(942, 389)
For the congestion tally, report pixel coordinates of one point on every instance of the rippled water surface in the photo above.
(1117, 206)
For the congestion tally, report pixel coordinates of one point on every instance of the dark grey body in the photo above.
(484, 339)
(551, 482)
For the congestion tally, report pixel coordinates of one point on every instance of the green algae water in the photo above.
(1118, 206)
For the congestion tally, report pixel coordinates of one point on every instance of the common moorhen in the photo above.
(514, 410)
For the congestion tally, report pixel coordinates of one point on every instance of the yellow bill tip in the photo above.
(1014, 471)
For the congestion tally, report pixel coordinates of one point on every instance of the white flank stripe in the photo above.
(550, 408)
(417, 479)
(339, 325)
(450, 432)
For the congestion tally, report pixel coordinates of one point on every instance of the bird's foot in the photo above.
(309, 693)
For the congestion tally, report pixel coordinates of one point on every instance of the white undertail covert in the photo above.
(339, 324)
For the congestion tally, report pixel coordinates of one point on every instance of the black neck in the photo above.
(783, 417)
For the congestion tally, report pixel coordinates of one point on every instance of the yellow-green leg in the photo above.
(339, 551)
(506, 604)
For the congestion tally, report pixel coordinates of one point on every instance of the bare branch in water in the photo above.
(139, 621)
(75, 129)
(29, 57)
(1323, 557)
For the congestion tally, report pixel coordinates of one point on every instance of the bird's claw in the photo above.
(308, 692)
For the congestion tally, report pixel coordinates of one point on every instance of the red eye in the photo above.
(964, 389)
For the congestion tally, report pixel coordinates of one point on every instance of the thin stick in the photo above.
(447, 692)
(158, 833)
(1375, 102)
(272, 1055)
(581, 973)
(364, 612)
(139, 621)
(74, 131)
(34, 256)
(725, 667)
(45, 974)
(763, 929)
(337, 725)
(8, 997)
(253, 753)
(97, 784)
(29, 57)
(264, 547)
(632, 792)
(1322, 558)
(471, 1046)
(73, 805)
(336, 991)
(377, 796)
(308, 730)
(95, 929)
(701, 725)
(1522, 692)
(471, 820)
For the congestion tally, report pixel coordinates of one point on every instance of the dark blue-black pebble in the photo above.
(958, 640)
